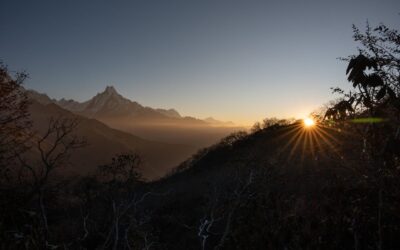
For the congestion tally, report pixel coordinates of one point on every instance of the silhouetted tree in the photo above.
(113, 200)
(374, 73)
(14, 119)
(232, 138)
(123, 168)
(256, 127)
(54, 148)
(35, 183)
(373, 107)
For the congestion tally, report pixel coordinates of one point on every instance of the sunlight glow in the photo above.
(308, 139)
(308, 122)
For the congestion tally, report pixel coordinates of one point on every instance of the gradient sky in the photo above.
(233, 60)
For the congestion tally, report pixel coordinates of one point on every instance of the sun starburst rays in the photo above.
(309, 141)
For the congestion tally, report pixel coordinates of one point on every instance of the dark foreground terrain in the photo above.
(334, 185)
(282, 187)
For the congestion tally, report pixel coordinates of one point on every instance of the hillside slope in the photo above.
(104, 142)
(285, 187)
(116, 111)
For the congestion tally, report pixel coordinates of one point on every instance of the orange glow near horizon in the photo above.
(309, 139)
(308, 122)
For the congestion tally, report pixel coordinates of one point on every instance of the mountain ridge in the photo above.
(161, 125)
(105, 142)
(111, 104)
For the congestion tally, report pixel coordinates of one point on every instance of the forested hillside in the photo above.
(327, 182)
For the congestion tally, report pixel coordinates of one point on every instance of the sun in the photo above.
(308, 122)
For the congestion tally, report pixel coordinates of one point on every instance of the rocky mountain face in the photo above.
(111, 104)
(164, 125)
(108, 103)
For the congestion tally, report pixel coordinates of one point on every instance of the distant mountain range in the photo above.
(114, 124)
(109, 104)
(214, 122)
(163, 125)
(104, 142)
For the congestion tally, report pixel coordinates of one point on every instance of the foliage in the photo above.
(281, 187)
(14, 118)
(271, 123)
(374, 74)
(123, 168)
(371, 111)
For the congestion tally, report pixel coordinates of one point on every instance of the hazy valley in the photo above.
(112, 124)
(111, 170)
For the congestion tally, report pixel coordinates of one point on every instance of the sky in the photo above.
(233, 60)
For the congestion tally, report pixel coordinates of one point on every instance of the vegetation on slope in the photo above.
(284, 186)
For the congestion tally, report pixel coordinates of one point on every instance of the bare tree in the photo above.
(123, 168)
(54, 148)
(216, 223)
(119, 195)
